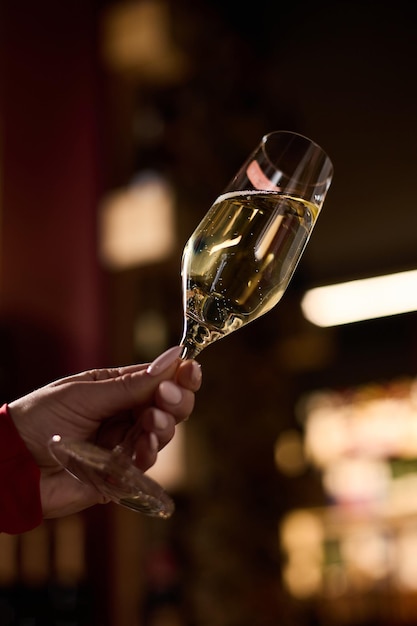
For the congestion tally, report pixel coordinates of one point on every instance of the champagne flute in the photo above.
(240, 259)
(236, 266)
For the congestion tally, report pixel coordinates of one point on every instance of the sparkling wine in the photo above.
(239, 261)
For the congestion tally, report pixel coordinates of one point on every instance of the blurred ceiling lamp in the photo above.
(137, 223)
(136, 40)
(359, 300)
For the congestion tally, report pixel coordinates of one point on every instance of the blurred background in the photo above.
(295, 480)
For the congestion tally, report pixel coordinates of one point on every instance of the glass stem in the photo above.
(125, 450)
(196, 336)
(189, 350)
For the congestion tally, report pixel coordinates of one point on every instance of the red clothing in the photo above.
(20, 502)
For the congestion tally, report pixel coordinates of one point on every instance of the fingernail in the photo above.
(163, 361)
(160, 420)
(170, 392)
(153, 442)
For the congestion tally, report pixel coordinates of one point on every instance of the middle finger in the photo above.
(174, 399)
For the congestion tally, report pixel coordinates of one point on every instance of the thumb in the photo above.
(126, 388)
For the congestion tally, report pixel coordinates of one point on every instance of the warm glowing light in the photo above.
(289, 453)
(301, 537)
(169, 469)
(302, 577)
(302, 530)
(357, 480)
(137, 224)
(406, 559)
(137, 39)
(326, 435)
(370, 421)
(364, 549)
(364, 441)
(359, 300)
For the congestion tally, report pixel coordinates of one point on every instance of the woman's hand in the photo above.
(102, 406)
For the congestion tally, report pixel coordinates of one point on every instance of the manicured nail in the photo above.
(163, 361)
(160, 420)
(153, 442)
(170, 392)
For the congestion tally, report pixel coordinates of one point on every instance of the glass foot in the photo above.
(114, 475)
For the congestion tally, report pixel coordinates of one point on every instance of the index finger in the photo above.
(101, 374)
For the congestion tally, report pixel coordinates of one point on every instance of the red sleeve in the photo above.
(20, 502)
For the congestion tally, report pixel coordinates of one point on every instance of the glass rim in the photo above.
(292, 133)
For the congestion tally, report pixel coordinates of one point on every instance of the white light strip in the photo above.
(359, 300)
